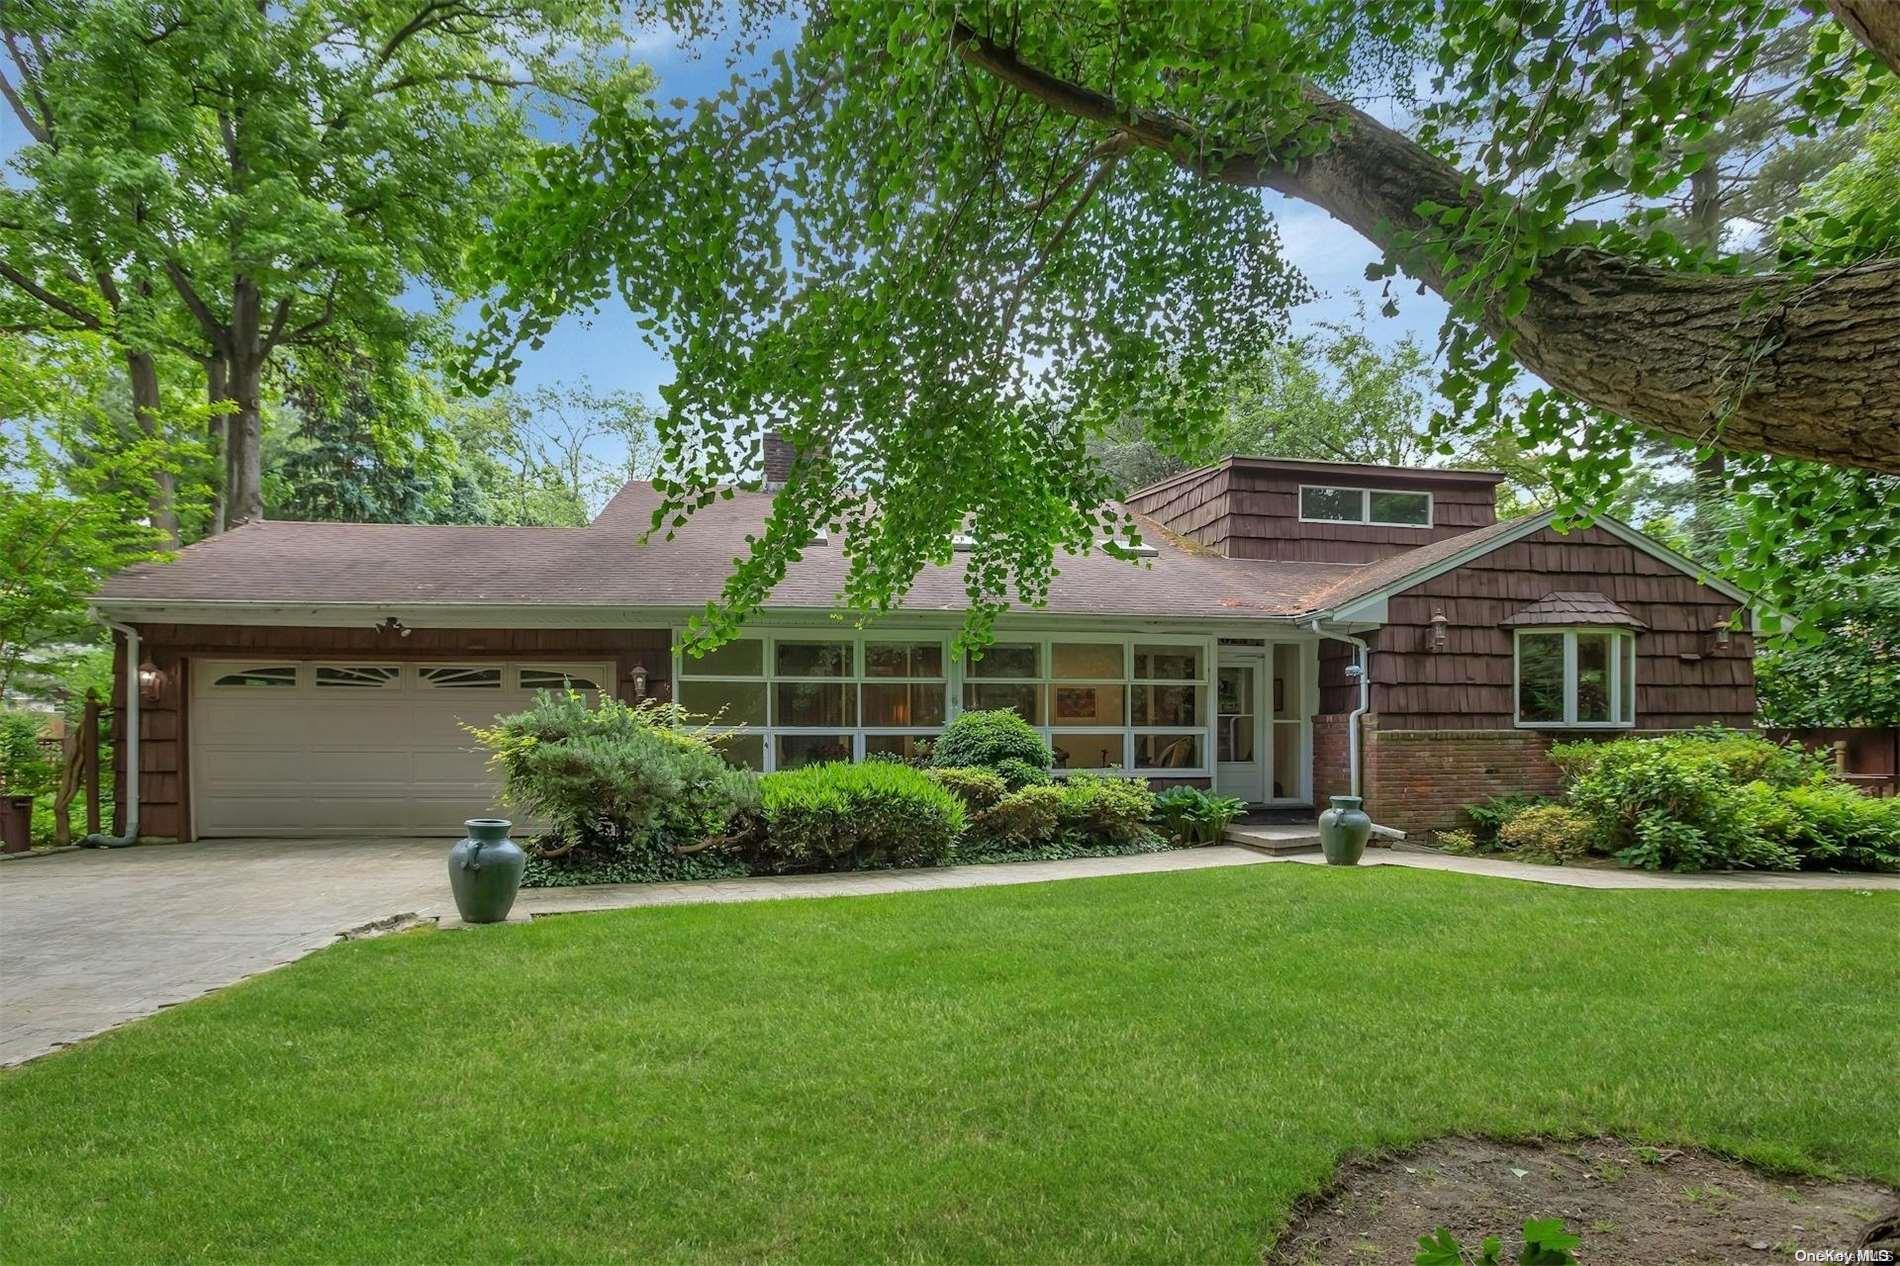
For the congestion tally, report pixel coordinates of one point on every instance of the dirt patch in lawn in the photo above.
(1630, 1204)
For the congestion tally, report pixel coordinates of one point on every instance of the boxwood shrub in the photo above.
(847, 817)
(998, 740)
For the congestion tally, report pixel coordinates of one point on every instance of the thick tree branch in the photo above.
(199, 309)
(40, 128)
(1765, 362)
(1875, 23)
(64, 307)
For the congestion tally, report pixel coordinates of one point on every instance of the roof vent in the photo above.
(963, 542)
(1122, 547)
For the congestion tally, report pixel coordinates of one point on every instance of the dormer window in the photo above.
(1374, 507)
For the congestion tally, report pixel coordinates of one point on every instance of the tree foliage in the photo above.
(938, 244)
(71, 514)
(253, 185)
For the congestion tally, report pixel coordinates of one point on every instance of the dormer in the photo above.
(1318, 511)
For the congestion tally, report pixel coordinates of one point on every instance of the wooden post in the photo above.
(89, 758)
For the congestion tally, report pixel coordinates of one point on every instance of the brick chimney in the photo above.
(780, 453)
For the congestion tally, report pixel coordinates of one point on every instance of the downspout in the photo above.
(131, 833)
(1362, 669)
(1362, 657)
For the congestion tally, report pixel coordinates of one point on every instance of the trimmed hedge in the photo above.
(849, 817)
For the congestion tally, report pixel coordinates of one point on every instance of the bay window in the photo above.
(1575, 677)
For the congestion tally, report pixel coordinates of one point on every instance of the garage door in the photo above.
(285, 747)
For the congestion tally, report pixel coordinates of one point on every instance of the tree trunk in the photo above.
(244, 495)
(142, 370)
(1801, 367)
(218, 393)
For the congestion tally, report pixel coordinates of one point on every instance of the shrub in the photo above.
(842, 817)
(1671, 804)
(1459, 843)
(1489, 816)
(1191, 816)
(1106, 810)
(1831, 824)
(24, 770)
(977, 788)
(1017, 774)
(618, 784)
(1084, 815)
(988, 739)
(1547, 833)
(1029, 816)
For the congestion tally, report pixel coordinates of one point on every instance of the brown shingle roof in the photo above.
(1371, 578)
(1573, 608)
(607, 565)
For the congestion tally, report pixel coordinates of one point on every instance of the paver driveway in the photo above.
(89, 940)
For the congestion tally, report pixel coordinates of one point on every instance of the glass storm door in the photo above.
(1241, 736)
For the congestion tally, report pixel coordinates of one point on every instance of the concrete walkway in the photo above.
(90, 940)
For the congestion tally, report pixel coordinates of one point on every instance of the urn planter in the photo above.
(485, 871)
(1344, 830)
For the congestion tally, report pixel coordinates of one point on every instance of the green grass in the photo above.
(1139, 1069)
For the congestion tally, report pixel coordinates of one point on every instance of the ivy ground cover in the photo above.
(1142, 1069)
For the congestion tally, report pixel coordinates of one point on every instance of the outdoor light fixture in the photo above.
(1441, 629)
(151, 681)
(638, 676)
(391, 624)
(1720, 636)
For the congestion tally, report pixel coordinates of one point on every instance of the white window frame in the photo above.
(1365, 518)
(954, 680)
(769, 677)
(1128, 683)
(1621, 639)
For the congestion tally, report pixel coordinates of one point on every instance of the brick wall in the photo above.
(1421, 780)
(1332, 769)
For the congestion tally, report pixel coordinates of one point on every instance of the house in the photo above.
(314, 678)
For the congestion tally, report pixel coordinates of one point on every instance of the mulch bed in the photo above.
(1644, 1206)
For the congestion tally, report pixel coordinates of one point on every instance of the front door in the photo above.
(1241, 735)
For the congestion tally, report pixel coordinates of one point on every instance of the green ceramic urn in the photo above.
(1344, 830)
(485, 871)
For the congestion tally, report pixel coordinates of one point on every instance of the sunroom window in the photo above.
(1102, 703)
(1576, 677)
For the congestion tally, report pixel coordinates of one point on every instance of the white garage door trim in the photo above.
(310, 747)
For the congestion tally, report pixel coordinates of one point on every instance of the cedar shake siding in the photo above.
(1250, 508)
(1441, 733)
(1681, 679)
(164, 747)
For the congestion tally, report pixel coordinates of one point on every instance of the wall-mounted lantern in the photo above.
(1441, 629)
(1720, 638)
(151, 681)
(638, 676)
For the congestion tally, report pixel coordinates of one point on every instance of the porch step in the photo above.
(1275, 838)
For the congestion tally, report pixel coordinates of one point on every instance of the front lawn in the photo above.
(1138, 1069)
